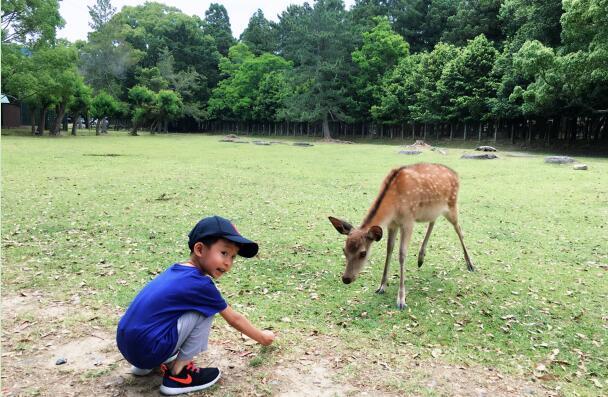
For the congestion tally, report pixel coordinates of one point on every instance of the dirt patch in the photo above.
(38, 330)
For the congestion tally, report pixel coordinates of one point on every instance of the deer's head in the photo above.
(357, 246)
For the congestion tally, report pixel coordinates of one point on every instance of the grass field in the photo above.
(100, 216)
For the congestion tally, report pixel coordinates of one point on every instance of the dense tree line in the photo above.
(516, 69)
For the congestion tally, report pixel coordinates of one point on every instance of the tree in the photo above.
(466, 80)
(472, 18)
(107, 58)
(381, 50)
(101, 13)
(217, 25)
(429, 101)
(319, 42)
(254, 89)
(260, 35)
(155, 28)
(523, 20)
(398, 92)
(30, 21)
(103, 105)
(142, 101)
(169, 107)
(79, 103)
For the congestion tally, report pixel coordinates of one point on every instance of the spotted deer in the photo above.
(408, 194)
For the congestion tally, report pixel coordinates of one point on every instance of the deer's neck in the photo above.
(383, 208)
(379, 215)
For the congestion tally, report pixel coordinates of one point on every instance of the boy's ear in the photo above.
(199, 248)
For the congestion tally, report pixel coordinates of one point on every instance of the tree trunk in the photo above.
(75, 121)
(451, 131)
(326, 132)
(465, 131)
(97, 126)
(42, 123)
(59, 113)
(33, 118)
(479, 135)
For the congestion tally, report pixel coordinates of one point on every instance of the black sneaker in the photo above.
(188, 380)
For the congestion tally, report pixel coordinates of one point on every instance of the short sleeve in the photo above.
(206, 298)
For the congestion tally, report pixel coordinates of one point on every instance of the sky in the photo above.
(76, 14)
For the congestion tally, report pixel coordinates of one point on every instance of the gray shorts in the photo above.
(192, 335)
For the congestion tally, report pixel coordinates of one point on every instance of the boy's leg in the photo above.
(182, 376)
(193, 336)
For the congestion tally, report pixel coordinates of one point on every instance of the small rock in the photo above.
(439, 150)
(476, 156)
(410, 152)
(559, 160)
(302, 144)
(485, 148)
(262, 143)
(61, 360)
(580, 167)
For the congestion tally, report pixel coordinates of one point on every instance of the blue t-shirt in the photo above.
(147, 333)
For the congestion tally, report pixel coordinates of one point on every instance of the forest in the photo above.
(532, 72)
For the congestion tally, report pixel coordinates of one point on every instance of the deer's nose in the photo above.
(346, 280)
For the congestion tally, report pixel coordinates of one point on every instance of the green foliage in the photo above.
(381, 50)
(108, 57)
(260, 35)
(217, 25)
(100, 13)
(467, 81)
(30, 21)
(254, 89)
(103, 105)
(319, 42)
(523, 20)
(473, 18)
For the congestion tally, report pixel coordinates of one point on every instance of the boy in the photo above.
(168, 322)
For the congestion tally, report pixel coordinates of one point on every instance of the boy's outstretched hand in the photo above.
(267, 337)
(241, 324)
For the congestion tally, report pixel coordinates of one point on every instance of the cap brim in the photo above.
(248, 249)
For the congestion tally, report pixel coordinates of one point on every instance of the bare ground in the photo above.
(37, 331)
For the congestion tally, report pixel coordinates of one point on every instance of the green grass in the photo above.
(100, 216)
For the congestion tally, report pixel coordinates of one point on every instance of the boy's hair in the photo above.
(210, 240)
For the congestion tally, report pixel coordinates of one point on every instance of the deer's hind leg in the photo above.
(452, 217)
(390, 244)
(424, 242)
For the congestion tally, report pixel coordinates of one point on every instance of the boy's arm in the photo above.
(240, 323)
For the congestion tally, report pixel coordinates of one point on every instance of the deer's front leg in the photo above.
(390, 244)
(406, 234)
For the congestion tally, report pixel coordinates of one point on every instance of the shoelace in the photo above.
(189, 367)
(192, 367)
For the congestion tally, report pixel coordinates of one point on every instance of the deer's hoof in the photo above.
(380, 290)
(401, 306)
(470, 268)
(420, 262)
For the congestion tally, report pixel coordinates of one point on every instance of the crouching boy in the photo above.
(169, 321)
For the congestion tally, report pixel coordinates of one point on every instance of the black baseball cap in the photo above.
(216, 226)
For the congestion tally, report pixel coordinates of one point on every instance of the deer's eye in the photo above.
(362, 254)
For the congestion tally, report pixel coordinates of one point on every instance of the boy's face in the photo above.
(217, 259)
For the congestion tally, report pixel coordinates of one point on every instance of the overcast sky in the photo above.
(77, 17)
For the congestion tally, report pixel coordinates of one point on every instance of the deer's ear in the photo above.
(342, 227)
(374, 233)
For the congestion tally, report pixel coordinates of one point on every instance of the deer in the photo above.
(409, 194)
